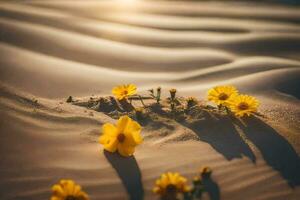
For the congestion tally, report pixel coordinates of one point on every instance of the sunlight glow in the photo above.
(129, 1)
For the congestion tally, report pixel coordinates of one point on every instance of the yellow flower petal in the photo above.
(129, 141)
(133, 130)
(108, 137)
(122, 123)
(57, 198)
(77, 190)
(137, 137)
(69, 187)
(58, 190)
(109, 129)
(125, 150)
(103, 139)
(111, 145)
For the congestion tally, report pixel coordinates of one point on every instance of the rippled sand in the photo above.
(52, 49)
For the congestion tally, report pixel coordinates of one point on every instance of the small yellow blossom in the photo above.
(221, 94)
(171, 183)
(242, 105)
(124, 91)
(68, 190)
(123, 137)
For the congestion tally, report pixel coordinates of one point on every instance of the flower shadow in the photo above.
(212, 188)
(275, 149)
(129, 173)
(220, 132)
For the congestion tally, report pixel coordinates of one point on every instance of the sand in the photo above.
(50, 50)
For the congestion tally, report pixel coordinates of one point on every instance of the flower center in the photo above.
(171, 189)
(70, 197)
(121, 137)
(243, 106)
(125, 92)
(223, 96)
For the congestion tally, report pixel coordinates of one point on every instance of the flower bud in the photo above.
(173, 93)
(139, 113)
(197, 180)
(191, 101)
(205, 172)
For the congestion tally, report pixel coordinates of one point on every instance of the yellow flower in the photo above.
(171, 183)
(68, 190)
(124, 91)
(123, 137)
(242, 105)
(221, 94)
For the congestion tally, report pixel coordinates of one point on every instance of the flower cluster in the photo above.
(124, 136)
(229, 98)
(225, 97)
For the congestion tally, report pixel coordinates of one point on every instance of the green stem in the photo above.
(142, 101)
(227, 110)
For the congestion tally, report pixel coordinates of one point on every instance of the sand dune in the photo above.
(50, 50)
(69, 135)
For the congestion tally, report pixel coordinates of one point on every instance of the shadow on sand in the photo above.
(129, 173)
(220, 133)
(212, 188)
(275, 149)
